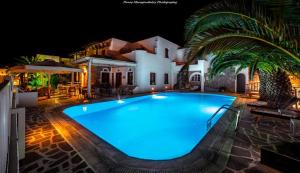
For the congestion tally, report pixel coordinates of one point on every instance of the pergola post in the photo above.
(89, 77)
(72, 78)
(49, 85)
(77, 77)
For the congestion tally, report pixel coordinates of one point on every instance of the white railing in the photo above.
(12, 130)
(297, 92)
(225, 106)
(253, 87)
(5, 123)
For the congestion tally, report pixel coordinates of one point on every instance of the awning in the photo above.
(105, 61)
(47, 66)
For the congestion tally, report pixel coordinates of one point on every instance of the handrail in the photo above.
(208, 123)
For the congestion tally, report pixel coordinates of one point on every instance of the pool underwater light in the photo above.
(120, 101)
(158, 97)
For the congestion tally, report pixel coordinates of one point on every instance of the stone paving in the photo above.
(251, 136)
(46, 150)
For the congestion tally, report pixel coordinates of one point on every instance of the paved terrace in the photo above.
(47, 151)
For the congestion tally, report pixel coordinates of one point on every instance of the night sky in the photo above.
(60, 28)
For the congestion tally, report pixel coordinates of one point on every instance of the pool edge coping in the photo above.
(62, 122)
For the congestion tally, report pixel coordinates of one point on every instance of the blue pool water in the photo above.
(156, 127)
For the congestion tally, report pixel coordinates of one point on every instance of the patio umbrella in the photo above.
(47, 66)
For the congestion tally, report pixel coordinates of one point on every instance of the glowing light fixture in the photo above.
(56, 100)
(84, 69)
(84, 108)
(152, 88)
(120, 101)
(158, 97)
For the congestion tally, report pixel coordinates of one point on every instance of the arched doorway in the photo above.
(240, 83)
(195, 81)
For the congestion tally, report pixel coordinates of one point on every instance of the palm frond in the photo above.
(288, 10)
(243, 34)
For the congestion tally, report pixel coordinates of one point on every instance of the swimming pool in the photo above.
(155, 127)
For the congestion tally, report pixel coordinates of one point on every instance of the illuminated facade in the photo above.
(151, 64)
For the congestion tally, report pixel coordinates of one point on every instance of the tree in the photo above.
(26, 60)
(275, 84)
(35, 79)
(245, 34)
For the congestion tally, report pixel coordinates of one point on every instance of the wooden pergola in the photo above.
(48, 66)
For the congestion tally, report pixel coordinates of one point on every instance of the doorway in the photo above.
(105, 78)
(118, 79)
(240, 83)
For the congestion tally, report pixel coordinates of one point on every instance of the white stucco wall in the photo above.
(156, 63)
(158, 45)
(147, 63)
(162, 44)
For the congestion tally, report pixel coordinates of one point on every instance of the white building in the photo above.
(151, 64)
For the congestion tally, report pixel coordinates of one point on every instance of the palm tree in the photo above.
(26, 60)
(240, 33)
(275, 84)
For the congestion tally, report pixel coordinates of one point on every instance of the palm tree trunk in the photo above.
(275, 88)
(263, 77)
(182, 79)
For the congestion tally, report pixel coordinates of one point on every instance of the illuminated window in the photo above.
(196, 78)
(166, 78)
(152, 79)
(166, 53)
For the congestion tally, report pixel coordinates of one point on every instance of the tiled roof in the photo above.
(129, 47)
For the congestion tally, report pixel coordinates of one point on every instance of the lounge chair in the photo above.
(283, 113)
(130, 89)
(284, 106)
(258, 104)
(105, 89)
(292, 116)
(126, 89)
(277, 114)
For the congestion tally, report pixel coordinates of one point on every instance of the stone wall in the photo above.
(224, 80)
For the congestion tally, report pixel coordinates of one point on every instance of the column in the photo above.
(89, 73)
(134, 76)
(49, 84)
(202, 81)
(72, 79)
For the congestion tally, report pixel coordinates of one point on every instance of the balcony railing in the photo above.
(253, 87)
